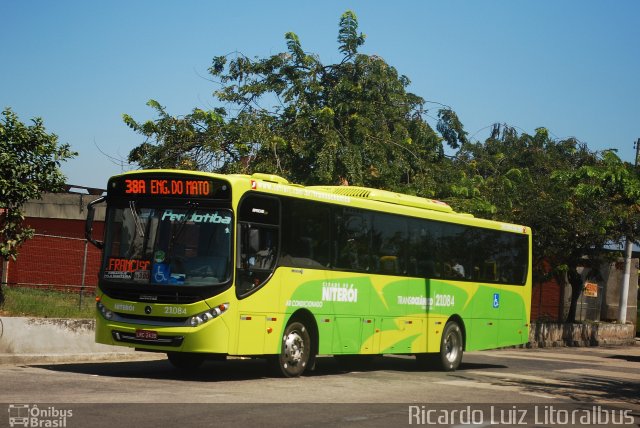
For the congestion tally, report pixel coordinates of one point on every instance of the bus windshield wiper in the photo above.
(136, 219)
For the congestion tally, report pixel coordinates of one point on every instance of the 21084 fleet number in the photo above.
(174, 310)
(445, 300)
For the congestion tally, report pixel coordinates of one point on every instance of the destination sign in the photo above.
(169, 186)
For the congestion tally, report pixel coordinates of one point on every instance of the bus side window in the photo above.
(352, 237)
(306, 237)
(389, 243)
(258, 242)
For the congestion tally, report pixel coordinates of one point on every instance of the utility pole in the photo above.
(628, 252)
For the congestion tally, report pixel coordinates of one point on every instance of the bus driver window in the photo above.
(258, 236)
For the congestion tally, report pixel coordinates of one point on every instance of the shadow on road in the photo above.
(583, 389)
(631, 358)
(236, 369)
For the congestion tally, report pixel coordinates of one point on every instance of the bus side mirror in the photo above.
(88, 227)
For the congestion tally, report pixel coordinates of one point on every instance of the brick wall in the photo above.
(54, 257)
(546, 298)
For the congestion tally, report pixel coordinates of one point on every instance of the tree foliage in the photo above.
(194, 141)
(613, 183)
(353, 121)
(575, 200)
(30, 161)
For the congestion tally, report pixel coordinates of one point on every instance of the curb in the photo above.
(33, 341)
(27, 340)
(31, 359)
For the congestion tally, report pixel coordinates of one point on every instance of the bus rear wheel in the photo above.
(295, 352)
(185, 360)
(451, 347)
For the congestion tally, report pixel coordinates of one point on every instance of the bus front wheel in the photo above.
(451, 347)
(295, 351)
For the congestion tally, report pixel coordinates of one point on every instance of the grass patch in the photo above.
(46, 303)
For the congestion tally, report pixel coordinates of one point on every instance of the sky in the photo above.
(570, 66)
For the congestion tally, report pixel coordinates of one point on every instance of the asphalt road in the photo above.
(502, 388)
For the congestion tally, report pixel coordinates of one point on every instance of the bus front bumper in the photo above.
(212, 337)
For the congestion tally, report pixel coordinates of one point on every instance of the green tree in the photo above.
(614, 181)
(195, 141)
(611, 190)
(30, 161)
(313, 123)
(542, 183)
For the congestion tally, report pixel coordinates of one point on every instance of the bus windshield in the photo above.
(187, 246)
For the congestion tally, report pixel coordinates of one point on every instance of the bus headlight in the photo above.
(106, 313)
(204, 317)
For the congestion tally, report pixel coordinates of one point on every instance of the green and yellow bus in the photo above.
(200, 265)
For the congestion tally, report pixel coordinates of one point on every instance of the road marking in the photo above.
(598, 361)
(564, 356)
(515, 376)
(494, 387)
(480, 385)
(522, 377)
(603, 373)
(533, 394)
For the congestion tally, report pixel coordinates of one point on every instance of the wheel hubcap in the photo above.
(452, 347)
(294, 348)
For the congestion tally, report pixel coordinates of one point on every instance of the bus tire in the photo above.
(451, 347)
(295, 353)
(185, 360)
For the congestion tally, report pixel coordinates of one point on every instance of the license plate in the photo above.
(146, 334)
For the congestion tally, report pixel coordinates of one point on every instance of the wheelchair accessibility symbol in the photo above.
(496, 300)
(161, 273)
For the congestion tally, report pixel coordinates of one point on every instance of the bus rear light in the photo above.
(204, 317)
